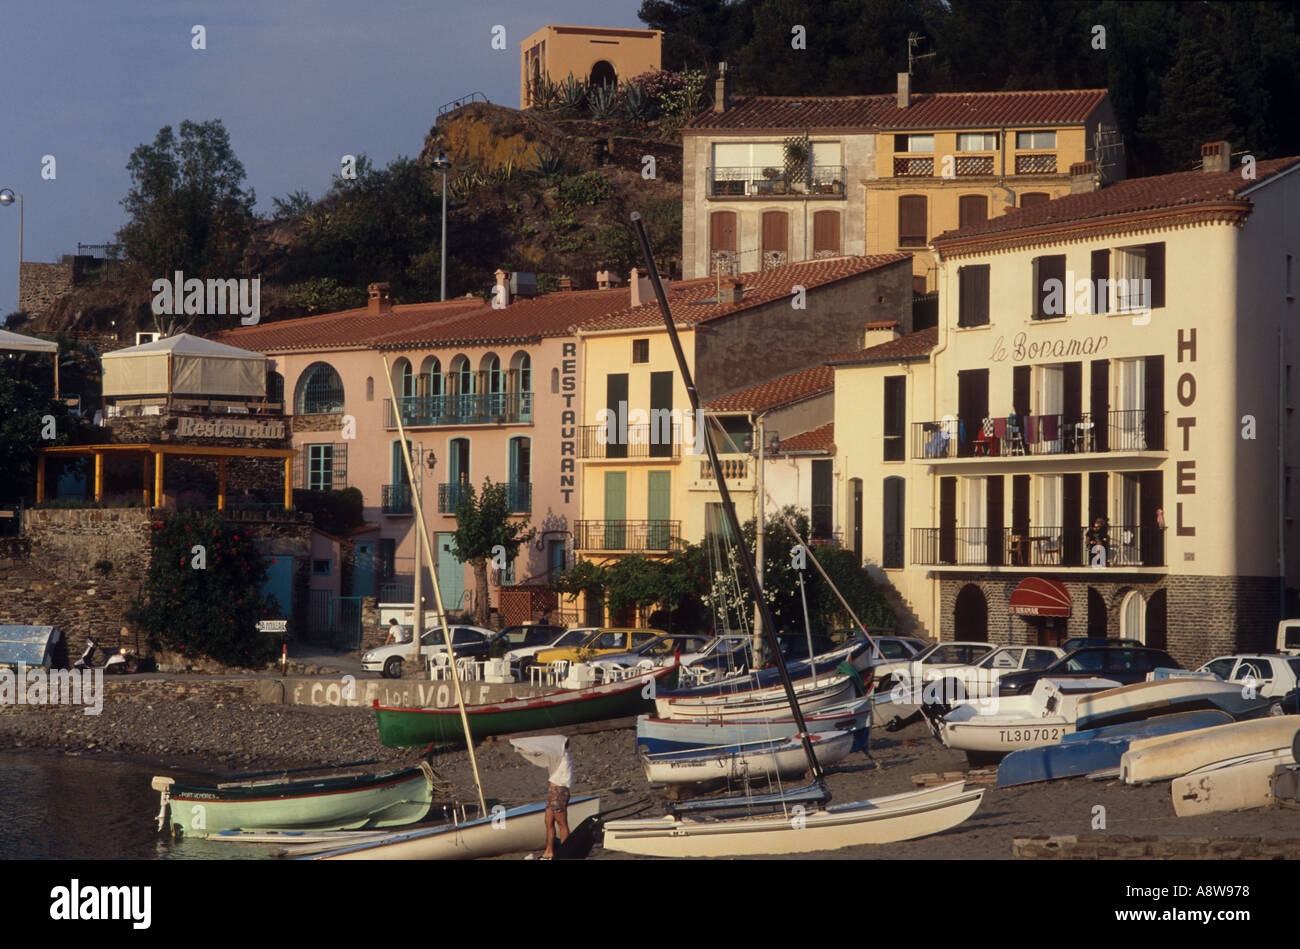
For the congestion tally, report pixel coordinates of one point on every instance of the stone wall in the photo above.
(1205, 616)
(39, 285)
(317, 423)
(1161, 847)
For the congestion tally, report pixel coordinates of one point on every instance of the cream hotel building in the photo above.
(1162, 404)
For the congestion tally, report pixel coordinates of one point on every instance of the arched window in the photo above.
(603, 74)
(463, 375)
(370, 388)
(971, 615)
(1132, 617)
(492, 372)
(522, 366)
(274, 387)
(319, 391)
(432, 370)
(1096, 614)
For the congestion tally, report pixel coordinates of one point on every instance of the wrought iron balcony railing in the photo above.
(480, 409)
(396, 499)
(519, 495)
(758, 181)
(626, 535)
(1020, 435)
(638, 441)
(1035, 546)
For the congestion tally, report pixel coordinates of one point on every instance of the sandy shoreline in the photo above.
(186, 734)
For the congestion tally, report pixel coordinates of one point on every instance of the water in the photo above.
(60, 807)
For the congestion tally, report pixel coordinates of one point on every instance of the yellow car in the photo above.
(601, 642)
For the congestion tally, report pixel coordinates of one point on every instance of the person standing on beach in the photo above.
(551, 752)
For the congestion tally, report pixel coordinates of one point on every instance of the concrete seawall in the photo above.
(346, 690)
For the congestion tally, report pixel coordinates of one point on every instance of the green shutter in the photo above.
(615, 510)
(659, 509)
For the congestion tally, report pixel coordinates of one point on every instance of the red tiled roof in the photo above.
(695, 301)
(455, 322)
(1133, 195)
(912, 346)
(779, 391)
(819, 439)
(932, 110)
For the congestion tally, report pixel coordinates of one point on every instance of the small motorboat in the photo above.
(998, 726)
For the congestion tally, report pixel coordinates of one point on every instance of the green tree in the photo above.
(188, 209)
(485, 530)
(28, 412)
(203, 593)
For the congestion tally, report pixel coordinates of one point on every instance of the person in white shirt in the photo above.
(551, 752)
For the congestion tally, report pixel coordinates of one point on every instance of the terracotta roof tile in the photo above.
(932, 110)
(1181, 189)
(780, 391)
(912, 346)
(455, 322)
(819, 439)
(696, 301)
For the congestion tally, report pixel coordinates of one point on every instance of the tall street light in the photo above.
(7, 197)
(442, 164)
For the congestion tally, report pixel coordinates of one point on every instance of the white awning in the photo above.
(16, 342)
(198, 367)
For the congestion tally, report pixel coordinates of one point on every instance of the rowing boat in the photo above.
(782, 757)
(1171, 756)
(767, 703)
(655, 735)
(1236, 786)
(420, 727)
(993, 725)
(1159, 697)
(325, 803)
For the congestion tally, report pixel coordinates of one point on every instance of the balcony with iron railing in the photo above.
(1036, 164)
(633, 441)
(493, 408)
(519, 495)
(771, 182)
(1035, 546)
(654, 536)
(395, 499)
(1126, 430)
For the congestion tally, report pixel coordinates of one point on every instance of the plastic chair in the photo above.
(557, 671)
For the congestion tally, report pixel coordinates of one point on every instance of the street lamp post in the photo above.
(7, 197)
(442, 164)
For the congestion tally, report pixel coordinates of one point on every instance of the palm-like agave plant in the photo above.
(635, 103)
(572, 92)
(600, 101)
(545, 93)
(548, 163)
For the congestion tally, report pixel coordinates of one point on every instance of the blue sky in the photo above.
(297, 84)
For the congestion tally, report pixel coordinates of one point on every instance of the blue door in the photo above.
(363, 570)
(279, 584)
(451, 572)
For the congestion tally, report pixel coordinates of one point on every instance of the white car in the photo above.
(1274, 675)
(570, 637)
(465, 641)
(980, 678)
(893, 653)
(913, 673)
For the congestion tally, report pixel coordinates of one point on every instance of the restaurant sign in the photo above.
(1022, 349)
(228, 428)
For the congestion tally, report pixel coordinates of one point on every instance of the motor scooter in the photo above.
(117, 663)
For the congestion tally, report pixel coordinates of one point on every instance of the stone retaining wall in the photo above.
(1159, 847)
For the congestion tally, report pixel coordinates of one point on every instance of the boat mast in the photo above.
(746, 559)
(422, 537)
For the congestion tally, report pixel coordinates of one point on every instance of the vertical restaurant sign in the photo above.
(568, 419)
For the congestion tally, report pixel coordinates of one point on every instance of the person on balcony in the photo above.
(1098, 538)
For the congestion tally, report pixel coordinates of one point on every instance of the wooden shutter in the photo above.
(1032, 198)
(826, 233)
(1100, 404)
(1047, 268)
(616, 394)
(1154, 400)
(1071, 514)
(895, 409)
(1156, 273)
(1021, 379)
(995, 500)
(974, 296)
(911, 220)
(722, 231)
(972, 209)
(776, 227)
(1101, 281)
(822, 502)
(661, 401)
(1020, 504)
(947, 520)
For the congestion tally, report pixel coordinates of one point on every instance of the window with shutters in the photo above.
(895, 416)
(722, 243)
(1033, 198)
(327, 467)
(1049, 287)
(826, 234)
(1100, 281)
(776, 228)
(1139, 277)
(973, 209)
(973, 300)
(912, 220)
(823, 523)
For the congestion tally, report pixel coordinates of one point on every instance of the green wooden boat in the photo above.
(324, 803)
(419, 727)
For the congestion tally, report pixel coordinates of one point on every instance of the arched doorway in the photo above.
(1156, 630)
(971, 615)
(603, 74)
(1096, 614)
(1132, 617)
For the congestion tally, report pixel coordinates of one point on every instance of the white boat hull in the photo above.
(512, 831)
(878, 821)
(1171, 756)
(756, 705)
(997, 734)
(1148, 698)
(752, 759)
(1233, 787)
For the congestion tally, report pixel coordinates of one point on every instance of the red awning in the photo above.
(1038, 597)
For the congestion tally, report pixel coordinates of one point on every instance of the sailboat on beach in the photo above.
(800, 820)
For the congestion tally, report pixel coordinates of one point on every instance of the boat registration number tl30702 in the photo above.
(1012, 735)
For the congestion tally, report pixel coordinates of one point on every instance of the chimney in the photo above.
(721, 90)
(880, 332)
(732, 290)
(634, 284)
(904, 89)
(1083, 177)
(606, 279)
(501, 297)
(1216, 158)
(566, 284)
(381, 299)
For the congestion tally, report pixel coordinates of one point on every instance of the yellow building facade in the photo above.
(588, 53)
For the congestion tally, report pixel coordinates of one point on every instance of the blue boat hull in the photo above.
(1088, 751)
(656, 735)
(768, 678)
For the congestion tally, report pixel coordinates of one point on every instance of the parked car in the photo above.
(1075, 643)
(465, 641)
(1123, 664)
(529, 634)
(931, 659)
(523, 656)
(1274, 675)
(659, 650)
(980, 678)
(600, 642)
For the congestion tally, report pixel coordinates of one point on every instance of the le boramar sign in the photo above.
(1046, 349)
(228, 428)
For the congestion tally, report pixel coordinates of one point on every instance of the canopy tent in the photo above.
(18, 343)
(185, 365)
